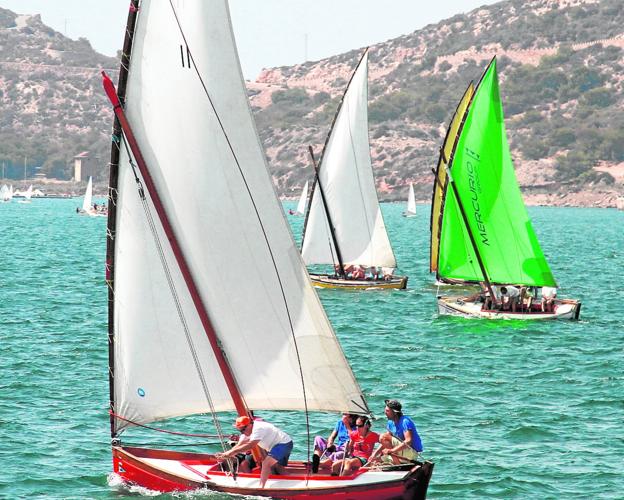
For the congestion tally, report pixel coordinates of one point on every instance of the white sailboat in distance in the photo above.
(411, 203)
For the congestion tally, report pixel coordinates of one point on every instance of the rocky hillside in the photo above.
(561, 69)
(561, 64)
(51, 103)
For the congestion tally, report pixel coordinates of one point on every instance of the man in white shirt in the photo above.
(510, 296)
(548, 298)
(274, 441)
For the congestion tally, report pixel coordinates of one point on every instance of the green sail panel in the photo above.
(483, 173)
(440, 181)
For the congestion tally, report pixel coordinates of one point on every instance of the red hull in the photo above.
(128, 465)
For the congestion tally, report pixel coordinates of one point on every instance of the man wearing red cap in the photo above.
(274, 441)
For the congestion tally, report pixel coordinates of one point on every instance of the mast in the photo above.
(224, 366)
(332, 231)
(112, 207)
(317, 166)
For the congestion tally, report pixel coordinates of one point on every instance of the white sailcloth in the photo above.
(28, 193)
(411, 201)
(212, 177)
(346, 176)
(5, 194)
(87, 203)
(302, 200)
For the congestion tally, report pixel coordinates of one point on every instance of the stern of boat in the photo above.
(417, 483)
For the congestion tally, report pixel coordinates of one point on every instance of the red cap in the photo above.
(242, 421)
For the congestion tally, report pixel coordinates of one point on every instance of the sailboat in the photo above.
(344, 226)
(25, 195)
(87, 203)
(301, 206)
(480, 229)
(210, 306)
(410, 211)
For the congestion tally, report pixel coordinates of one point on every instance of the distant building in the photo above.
(83, 167)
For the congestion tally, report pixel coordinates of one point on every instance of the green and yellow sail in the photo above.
(439, 184)
(481, 168)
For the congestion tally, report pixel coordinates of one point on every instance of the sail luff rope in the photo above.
(174, 294)
(270, 250)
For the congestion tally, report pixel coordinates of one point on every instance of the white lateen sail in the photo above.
(301, 206)
(346, 177)
(187, 104)
(87, 202)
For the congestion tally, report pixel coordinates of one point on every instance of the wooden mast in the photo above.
(112, 209)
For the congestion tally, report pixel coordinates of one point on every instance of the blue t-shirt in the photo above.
(405, 424)
(342, 433)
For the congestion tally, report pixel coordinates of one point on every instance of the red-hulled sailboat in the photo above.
(210, 304)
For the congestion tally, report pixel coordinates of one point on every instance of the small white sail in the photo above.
(411, 202)
(346, 176)
(250, 275)
(87, 202)
(28, 193)
(5, 195)
(11, 192)
(301, 206)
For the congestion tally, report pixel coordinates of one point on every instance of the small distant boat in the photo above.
(301, 206)
(24, 195)
(411, 203)
(344, 226)
(90, 208)
(185, 338)
(480, 229)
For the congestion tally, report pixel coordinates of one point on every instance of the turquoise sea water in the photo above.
(505, 409)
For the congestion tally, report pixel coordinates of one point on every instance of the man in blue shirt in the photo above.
(401, 443)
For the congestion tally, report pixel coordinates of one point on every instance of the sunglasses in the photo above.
(242, 429)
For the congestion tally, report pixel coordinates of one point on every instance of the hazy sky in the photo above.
(268, 32)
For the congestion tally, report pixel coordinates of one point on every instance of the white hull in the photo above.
(457, 306)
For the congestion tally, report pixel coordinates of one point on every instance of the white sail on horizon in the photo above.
(301, 206)
(250, 276)
(87, 202)
(411, 201)
(346, 177)
(5, 194)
